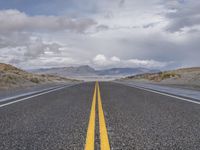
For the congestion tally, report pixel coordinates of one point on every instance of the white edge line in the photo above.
(9, 103)
(28, 93)
(165, 94)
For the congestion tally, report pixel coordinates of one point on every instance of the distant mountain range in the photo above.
(86, 71)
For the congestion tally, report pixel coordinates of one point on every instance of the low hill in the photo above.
(11, 76)
(183, 76)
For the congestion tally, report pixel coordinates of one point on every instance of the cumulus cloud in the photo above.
(115, 59)
(22, 22)
(101, 61)
(146, 63)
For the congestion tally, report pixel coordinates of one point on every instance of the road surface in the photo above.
(99, 116)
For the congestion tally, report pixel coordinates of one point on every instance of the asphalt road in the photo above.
(135, 120)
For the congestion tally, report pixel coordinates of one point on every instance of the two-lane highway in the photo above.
(100, 116)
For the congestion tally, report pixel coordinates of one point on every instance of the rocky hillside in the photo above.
(11, 76)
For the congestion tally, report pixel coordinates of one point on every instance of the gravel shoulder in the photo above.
(5, 93)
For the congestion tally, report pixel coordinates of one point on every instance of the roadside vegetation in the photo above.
(157, 77)
(185, 77)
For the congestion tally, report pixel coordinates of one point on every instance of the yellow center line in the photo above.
(102, 124)
(90, 139)
(89, 145)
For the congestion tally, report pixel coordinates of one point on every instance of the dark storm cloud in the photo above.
(102, 27)
(38, 48)
(183, 14)
(121, 3)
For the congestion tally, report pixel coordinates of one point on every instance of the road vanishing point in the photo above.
(99, 116)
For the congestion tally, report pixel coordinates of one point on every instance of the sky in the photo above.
(155, 34)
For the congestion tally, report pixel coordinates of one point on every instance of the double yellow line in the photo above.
(90, 139)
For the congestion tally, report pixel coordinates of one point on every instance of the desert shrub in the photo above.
(35, 80)
(43, 75)
(8, 79)
(166, 75)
